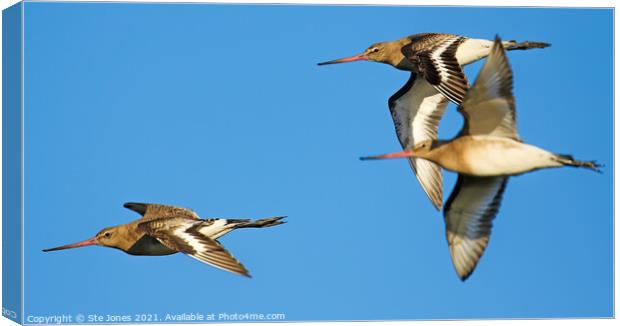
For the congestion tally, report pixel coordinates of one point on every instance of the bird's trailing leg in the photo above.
(570, 161)
(526, 45)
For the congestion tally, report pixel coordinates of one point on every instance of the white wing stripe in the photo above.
(443, 70)
(438, 60)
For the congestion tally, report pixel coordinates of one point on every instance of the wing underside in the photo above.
(469, 214)
(416, 110)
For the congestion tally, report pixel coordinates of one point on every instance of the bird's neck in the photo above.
(127, 236)
(394, 56)
(402, 49)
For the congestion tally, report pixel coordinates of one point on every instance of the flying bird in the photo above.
(435, 61)
(486, 152)
(165, 230)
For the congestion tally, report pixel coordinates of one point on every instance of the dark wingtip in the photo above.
(136, 207)
(244, 272)
(464, 278)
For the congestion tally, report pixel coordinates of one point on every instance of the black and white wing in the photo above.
(489, 107)
(186, 236)
(469, 214)
(416, 110)
(440, 67)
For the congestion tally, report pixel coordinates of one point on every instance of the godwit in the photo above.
(486, 152)
(435, 61)
(165, 230)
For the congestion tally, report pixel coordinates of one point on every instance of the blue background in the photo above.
(12, 275)
(223, 109)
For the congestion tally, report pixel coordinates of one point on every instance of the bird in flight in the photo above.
(435, 61)
(486, 152)
(164, 230)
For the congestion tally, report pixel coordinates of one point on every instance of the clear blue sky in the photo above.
(223, 109)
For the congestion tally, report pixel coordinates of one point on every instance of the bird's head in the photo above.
(109, 237)
(384, 52)
(421, 149)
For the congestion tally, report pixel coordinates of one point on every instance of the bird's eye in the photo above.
(107, 234)
(375, 50)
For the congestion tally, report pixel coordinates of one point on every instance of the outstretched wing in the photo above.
(469, 214)
(416, 110)
(440, 67)
(152, 211)
(489, 107)
(185, 236)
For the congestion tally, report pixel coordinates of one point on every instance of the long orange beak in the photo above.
(401, 154)
(89, 242)
(347, 59)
